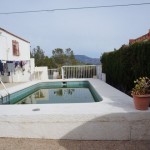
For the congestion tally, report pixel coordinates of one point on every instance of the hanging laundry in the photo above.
(1, 68)
(16, 63)
(21, 64)
(5, 67)
(23, 68)
(10, 66)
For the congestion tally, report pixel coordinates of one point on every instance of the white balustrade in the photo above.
(76, 71)
(79, 71)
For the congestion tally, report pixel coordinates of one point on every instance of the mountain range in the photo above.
(87, 60)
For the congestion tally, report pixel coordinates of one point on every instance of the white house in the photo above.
(12, 47)
(15, 62)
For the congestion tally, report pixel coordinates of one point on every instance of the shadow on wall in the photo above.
(123, 131)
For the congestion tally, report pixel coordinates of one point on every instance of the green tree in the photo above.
(58, 57)
(38, 55)
(61, 58)
(70, 59)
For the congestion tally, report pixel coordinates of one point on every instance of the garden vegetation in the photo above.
(126, 64)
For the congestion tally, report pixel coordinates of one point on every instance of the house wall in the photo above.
(6, 50)
(13, 70)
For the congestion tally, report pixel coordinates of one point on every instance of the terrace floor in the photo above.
(9, 85)
(110, 124)
(44, 144)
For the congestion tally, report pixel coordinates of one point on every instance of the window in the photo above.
(15, 46)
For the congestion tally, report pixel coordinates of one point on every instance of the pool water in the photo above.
(60, 95)
(54, 92)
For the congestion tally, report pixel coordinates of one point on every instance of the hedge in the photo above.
(126, 64)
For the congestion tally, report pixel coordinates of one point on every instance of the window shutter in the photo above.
(15, 46)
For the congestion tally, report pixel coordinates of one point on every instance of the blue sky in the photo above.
(87, 32)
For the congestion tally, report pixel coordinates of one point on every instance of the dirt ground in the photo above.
(43, 144)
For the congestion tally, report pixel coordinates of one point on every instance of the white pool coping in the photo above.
(114, 118)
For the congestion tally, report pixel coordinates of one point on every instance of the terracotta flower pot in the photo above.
(141, 102)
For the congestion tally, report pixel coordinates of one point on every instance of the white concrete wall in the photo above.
(32, 66)
(41, 73)
(6, 51)
(99, 71)
(103, 77)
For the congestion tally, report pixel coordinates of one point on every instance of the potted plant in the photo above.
(141, 93)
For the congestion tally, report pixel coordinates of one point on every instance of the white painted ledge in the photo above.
(114, 118)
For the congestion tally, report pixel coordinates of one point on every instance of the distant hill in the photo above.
(87, 60)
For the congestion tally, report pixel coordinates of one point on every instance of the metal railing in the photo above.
(79, 71)
(4, 87)
(6, 98)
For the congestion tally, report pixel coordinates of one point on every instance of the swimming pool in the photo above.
(54, 92)
(75, 121)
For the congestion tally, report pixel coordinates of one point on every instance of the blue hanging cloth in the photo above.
(1, 68)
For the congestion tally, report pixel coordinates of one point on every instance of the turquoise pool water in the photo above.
(54, 92)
